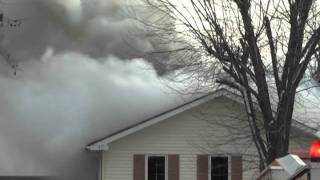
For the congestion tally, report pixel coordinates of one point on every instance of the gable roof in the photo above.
(102, 143)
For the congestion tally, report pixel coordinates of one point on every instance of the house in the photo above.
(27, 177)
(205, 139)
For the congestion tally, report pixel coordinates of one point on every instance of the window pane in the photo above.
(156, 168)
(219, 168)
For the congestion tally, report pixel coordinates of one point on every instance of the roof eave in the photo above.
(103, 144)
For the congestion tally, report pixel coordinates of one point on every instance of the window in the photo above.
(219, 168)
(156, 168)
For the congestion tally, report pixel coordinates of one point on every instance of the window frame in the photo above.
(146, 160)
(219, 155)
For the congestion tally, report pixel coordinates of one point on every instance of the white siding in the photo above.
(186, 134)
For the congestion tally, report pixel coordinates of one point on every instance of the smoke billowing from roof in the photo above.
(81, 77)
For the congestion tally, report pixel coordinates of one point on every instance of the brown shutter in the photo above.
(138, 167)
(173, 167)
(202, 167)
(236, 167)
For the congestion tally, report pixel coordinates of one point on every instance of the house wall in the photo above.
(216, 127)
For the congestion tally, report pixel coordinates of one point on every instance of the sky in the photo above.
(81, 76)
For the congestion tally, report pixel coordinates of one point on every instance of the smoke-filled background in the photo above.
(81, 76)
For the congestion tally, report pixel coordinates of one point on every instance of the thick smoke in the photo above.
(81, 78)
(95, 27)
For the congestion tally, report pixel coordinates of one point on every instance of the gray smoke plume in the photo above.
(94, 27)
(81, 78)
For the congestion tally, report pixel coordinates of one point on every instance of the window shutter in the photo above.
(202, 167)
(138, 167)
(173, 167)
(236, 167)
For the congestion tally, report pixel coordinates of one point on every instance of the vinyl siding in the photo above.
(196, 131)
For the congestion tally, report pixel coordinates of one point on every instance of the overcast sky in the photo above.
(81, 77)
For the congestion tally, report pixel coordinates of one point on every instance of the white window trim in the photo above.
(219, 155)
(146, 164)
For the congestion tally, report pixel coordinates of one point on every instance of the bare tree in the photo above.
(260, 48)
(11, 23)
